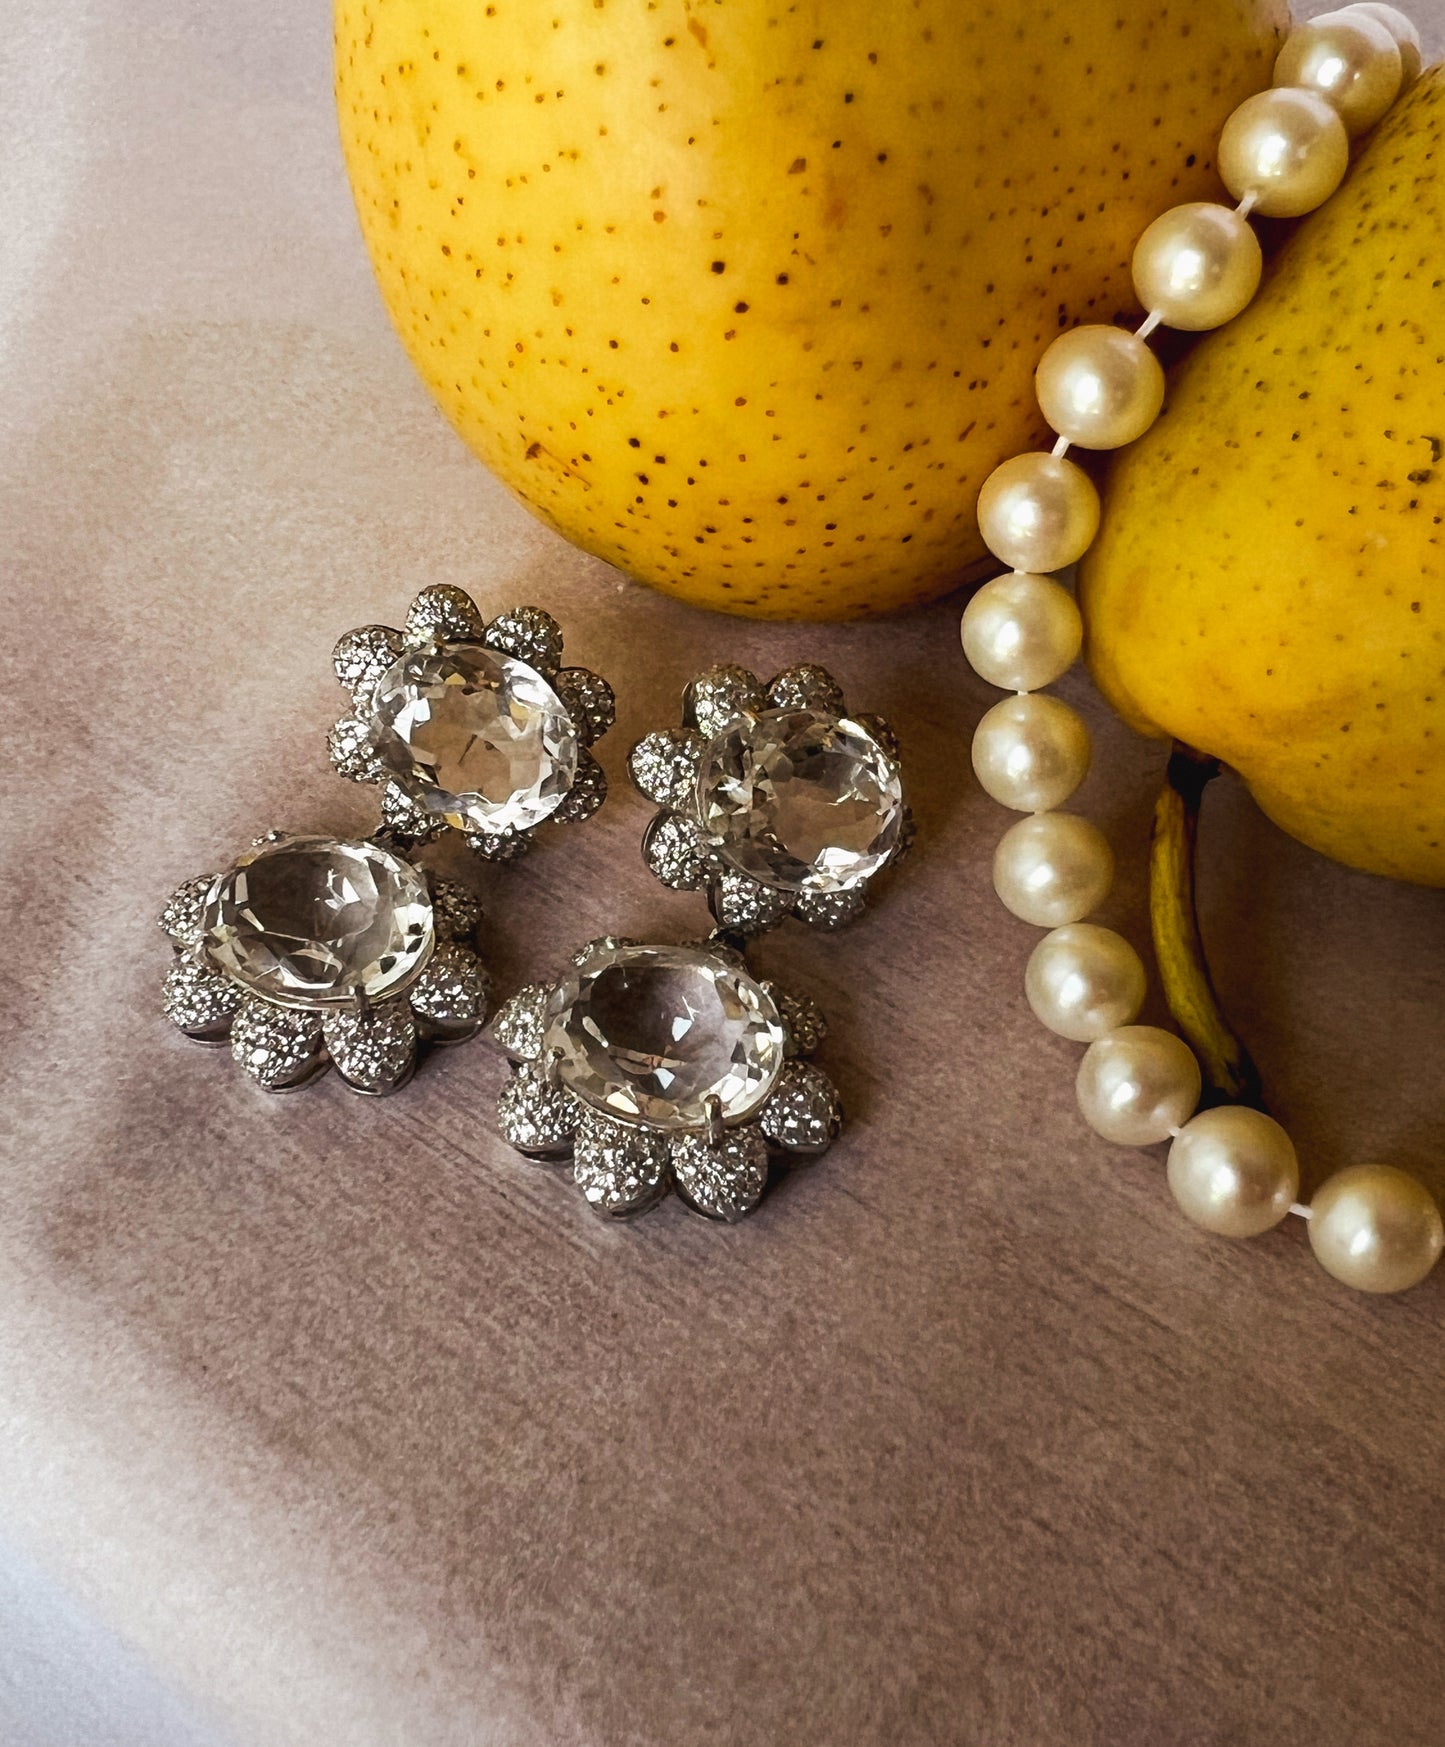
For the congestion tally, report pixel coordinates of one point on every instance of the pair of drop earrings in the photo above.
(650, 1066)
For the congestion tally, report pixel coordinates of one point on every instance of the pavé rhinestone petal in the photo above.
(362, 656)
(374, 1051)
(589, 700)
(662, 1034)
(739, 901)
(450, 995)
(310, 922)
(804, 1113)
(200, 1001)
(619, 1168)
(455, 909)
(664, 765)
(801, 801)
(717, 698)
(276, 1047)
(806, 687)
(807, 1028)
(477, 739)
(521, 1022)
(536, 1117)
(678, 852)
(351, 752)
(725, 1180)
(185, 911)
(443, 613)
(529, 634)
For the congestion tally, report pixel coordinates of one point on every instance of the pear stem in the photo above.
(1230, 1076)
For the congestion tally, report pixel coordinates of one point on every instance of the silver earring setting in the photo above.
(313, 951)
(774, 799)
(471, 726)
(657, 1068)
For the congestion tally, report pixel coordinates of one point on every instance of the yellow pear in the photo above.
(746, 297)
(1269, 582)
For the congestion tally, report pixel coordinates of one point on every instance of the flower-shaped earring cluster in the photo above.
(470, 726)
(774, 800)
(650, 1066)
(655, 1067)
(313, 950)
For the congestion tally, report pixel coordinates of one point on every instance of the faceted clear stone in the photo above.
(652, 1034)
(311, 923)
(477, 739)
(801, 800)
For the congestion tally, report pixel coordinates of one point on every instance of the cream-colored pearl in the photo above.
(1083, 981)
(1138, 1084)
(1030, 753)
(1407, 38)
(1286, 149)
(1021, 631)
(1233, 1170)
(1099, 386)
(1038, 512)
(1197, 266)
(1053, 868)
(1375, 1228)
(1351, 60)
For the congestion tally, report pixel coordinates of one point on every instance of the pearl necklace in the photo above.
(1232, 1169)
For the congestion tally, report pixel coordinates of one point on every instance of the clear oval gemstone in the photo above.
(476, 738)
(311, 922)
(652, 1034)
(800, 800)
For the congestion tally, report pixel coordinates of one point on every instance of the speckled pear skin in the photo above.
(746, 298)
(1269, 582)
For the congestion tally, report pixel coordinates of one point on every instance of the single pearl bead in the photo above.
(1407, 38)
(1030, 753)
(1233, 1170)
(1038, 512)
(1053, 868)
(1083, 981)
(1288, 149)
(1099, 386)
(1197, 266)
(1375, 1228)
(1022, 632)
(1138, 1084)
(1351, 60)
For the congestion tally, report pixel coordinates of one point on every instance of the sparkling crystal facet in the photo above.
(651, 1033)
(310, 922)
(800, 800)
(477, 739)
